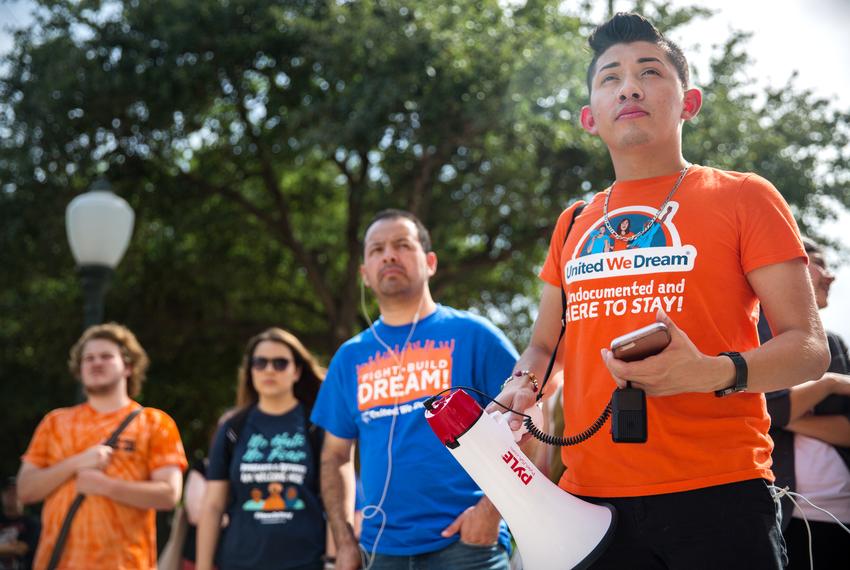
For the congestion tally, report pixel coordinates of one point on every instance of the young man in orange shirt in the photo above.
(695, 494)
(115, 525)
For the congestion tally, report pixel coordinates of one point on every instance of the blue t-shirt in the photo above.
(276, 516)
(597, 242)
(428, 488)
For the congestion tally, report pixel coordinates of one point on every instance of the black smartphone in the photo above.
(641, 343)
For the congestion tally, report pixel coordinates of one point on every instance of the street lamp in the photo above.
(99, 225)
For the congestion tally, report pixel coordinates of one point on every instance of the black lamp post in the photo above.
(99, 226)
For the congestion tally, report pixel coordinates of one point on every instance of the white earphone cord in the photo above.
(370, 511)
(779, 492)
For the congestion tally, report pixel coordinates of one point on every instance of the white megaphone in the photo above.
(553, 530)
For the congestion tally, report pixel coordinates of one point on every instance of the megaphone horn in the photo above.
(553, 529)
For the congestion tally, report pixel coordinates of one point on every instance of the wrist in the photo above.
(740, 376)
(487, 506)
(830, 382)
(530, 380)
(724, 373)
(492, 516)
(108, 487)
(344, 534)
(75, 463)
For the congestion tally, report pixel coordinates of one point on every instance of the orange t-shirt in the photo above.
(694, 265)
(620, 245)
(105, 533)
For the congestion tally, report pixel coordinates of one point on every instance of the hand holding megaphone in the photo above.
(505, 418)
(553, 529)
(518, 394)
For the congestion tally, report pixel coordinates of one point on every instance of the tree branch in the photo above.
(348, 299)
(285, 229)
(419, 200)
(484, 259)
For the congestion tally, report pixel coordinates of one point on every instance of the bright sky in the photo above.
(809, 36)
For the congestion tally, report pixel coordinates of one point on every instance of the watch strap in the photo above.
(741, 371)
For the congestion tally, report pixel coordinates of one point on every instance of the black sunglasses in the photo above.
(279, 364)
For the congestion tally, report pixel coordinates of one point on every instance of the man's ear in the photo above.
(692, 103)
(431, 261)
(363, 277)
(588, 123)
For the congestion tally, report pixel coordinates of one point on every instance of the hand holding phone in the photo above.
(641, 343)
(628, 405)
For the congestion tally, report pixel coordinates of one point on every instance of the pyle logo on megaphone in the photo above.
(553, 529)
(522, 471)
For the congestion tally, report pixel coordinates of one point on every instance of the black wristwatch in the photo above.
(740, 375)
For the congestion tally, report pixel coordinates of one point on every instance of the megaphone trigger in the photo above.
(535, 411)
(536, 414)
(501, 419)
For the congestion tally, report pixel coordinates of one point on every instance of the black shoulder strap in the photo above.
(233, 427)
(316, 437)
(576, 212)
(113, 439)
(56, 555)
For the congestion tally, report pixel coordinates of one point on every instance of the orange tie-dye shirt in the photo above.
(105, 533)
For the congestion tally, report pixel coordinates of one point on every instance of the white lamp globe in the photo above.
(99, 225)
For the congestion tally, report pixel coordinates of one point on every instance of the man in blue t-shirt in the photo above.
(419, 503)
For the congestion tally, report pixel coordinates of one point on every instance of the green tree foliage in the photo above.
(793, 138)
(255, 139)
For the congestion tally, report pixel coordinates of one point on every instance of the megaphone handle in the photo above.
(536, 413)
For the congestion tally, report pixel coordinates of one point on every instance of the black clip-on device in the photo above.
(628, 415)
(628, 405)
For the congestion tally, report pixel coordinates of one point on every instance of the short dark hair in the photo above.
(393, 214)
(626, 28)
(811, 246)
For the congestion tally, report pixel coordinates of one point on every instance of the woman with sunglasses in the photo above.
(264, 464)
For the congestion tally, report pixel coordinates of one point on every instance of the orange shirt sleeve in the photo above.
(38, 453)
(769, 233)
(166, 447)
(552, 271)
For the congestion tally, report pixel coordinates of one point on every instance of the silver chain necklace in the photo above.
(633, 237)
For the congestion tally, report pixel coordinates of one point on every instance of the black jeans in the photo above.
(724, 527)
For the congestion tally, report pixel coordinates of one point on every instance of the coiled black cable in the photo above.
(536, 432)
(558, 441)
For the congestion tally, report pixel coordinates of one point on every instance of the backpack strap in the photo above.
(316, 437)
(578, 209)
(62, 538)
(234, 426)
